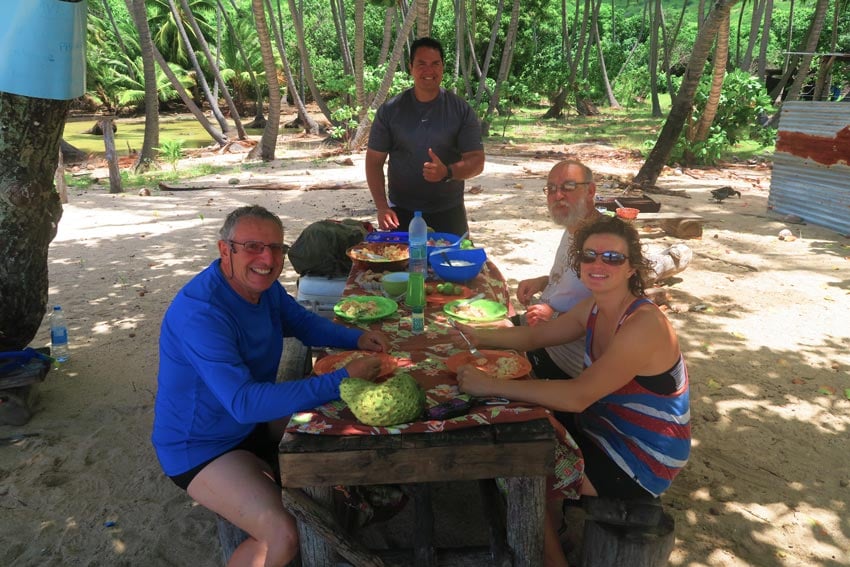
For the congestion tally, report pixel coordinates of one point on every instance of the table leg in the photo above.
(315, 550)
(526, 513)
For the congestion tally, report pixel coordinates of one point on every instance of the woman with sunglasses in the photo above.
(628, 411)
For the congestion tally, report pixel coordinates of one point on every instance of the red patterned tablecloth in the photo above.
(424, 357)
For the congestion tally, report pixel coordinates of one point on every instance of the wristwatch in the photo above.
(448, 176)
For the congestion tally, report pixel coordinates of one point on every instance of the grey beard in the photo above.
(574, 217)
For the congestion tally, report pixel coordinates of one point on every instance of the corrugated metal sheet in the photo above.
(811, 165)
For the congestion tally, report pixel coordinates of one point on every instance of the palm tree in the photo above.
(269, 138)
(151, 140)
(407, 25)
(225, 92)
(310, 125)
(721, 56)
(306, 67)
(681, 107)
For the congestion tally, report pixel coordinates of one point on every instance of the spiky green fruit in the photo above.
(398, 400)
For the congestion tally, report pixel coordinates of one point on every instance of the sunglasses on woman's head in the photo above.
(609, 257)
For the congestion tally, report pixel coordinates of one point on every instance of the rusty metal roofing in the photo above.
(811, 164)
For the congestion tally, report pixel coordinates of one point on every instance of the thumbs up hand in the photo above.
(434, 170)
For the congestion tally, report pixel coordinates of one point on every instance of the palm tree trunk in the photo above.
(298, 24)
(507, 58)
(258, 115)
(268, 142)
(29, 211)
(494, 32)
(755, 20)
(721, 56)
(225, 92)
(423, 19)
(131, 69)
(220, 138)
(653, 58)
(612, 100)
(811, 45)
(150, 142)
(761, 64)
(683, 100)
(202, 81)
(359, 60)
(407, 25)
(310, 125)
(386, 40)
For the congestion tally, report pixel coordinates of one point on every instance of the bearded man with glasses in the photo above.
(570, 196)
(220, 346)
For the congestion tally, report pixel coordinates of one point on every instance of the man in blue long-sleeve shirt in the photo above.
(220, 346)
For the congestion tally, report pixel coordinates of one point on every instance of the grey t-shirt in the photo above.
(405, 128)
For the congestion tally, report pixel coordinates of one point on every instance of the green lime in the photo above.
(466, 243)
(430, 289)
(457, 290)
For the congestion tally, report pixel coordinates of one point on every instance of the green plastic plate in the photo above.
(489, 310)
(385, 307)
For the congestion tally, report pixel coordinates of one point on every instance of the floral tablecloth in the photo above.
(424, 357)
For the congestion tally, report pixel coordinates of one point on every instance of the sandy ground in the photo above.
(763, 323)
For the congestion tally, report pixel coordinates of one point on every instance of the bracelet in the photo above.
(449, 174)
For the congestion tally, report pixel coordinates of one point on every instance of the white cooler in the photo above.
(320, 293)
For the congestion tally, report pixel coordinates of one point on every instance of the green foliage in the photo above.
(743, 101)
(171, 151)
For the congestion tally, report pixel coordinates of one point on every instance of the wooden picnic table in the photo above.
(518, 442)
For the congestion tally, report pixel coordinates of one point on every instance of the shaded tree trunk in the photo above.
(220, 138)
(654, 22)
(363, 128)
(29, 211)
(507, 58)
(268, 142)
(811, 46)
(146, 157)
(761, 64)
(494, 34)
(199, 73)
(225, 92)
(259, 117)
(310, 125)
(306, 67)
(612, 100)
(681, 108)
(721, 56)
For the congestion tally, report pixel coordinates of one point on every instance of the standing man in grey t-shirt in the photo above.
(433, 140)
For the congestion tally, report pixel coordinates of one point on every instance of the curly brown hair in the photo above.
(612, 225)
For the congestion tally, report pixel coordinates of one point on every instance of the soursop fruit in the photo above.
(398, 400)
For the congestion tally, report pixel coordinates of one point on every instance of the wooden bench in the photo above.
(680, 225)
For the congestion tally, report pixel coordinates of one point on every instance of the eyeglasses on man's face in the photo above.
(564, 188)
(256, 247)
(610, 257)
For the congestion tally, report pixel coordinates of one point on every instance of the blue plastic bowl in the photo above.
(442, 236)
(472, 260)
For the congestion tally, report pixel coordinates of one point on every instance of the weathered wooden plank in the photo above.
(526, 509)
(423, 465)
(423, 534)
(320, 533)
(494, 511)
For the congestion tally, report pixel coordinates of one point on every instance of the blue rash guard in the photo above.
(218, 361)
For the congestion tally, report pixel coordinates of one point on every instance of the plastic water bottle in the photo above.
(415, 299)
(417, 234)
(59, 335)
